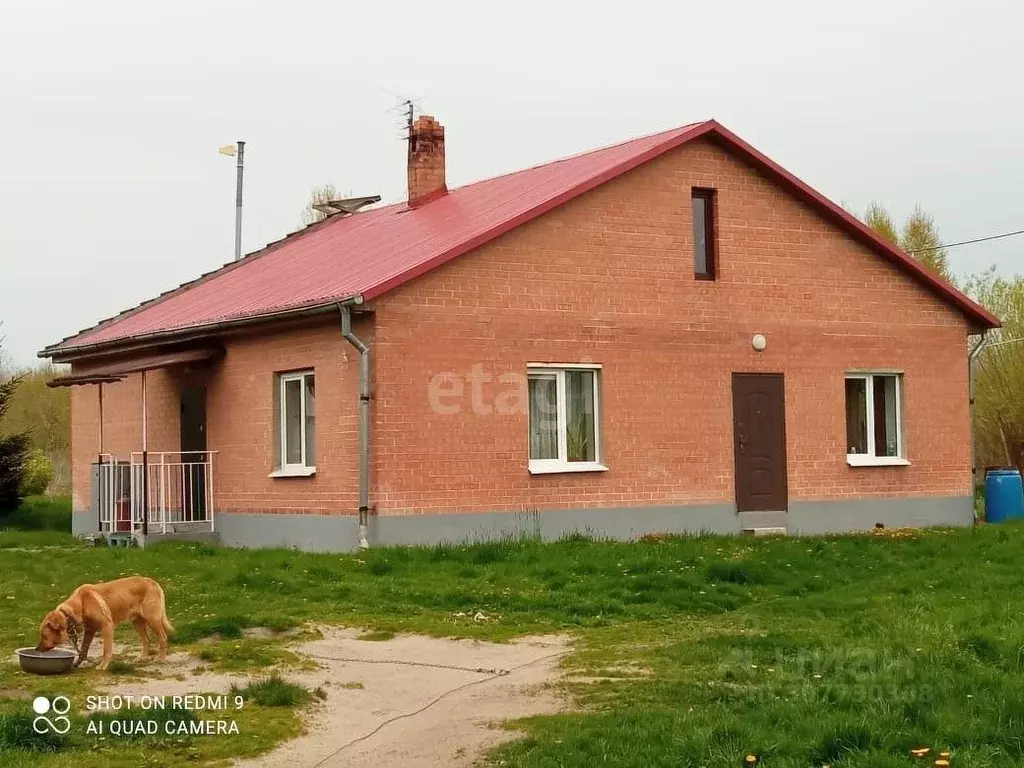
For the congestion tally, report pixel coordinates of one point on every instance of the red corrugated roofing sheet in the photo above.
(373, 251)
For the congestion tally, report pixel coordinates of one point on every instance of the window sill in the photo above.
(863, 460)
(545, 468)
(294, 472)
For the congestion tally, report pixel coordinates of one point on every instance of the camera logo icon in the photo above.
(60, 706)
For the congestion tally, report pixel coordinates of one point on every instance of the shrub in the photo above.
(13, 452)
(38, 472)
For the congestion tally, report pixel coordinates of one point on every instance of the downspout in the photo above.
(364, 417)
(971, 357)
(145, 463)
(99, 468)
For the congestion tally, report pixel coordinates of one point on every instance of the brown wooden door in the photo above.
(759, 431)
(193, 445)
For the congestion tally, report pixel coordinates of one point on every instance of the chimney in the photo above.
(426, 161)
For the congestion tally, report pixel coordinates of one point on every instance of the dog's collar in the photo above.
(72, 623)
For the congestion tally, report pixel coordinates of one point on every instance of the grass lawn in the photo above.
(847, 651)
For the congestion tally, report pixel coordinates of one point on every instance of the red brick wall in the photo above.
(240, 413)
(608, 278)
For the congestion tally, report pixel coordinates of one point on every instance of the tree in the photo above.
(919, 236)
(999, 372)
(879, 220)
(44, 414)
(13, 453)
(318, 195)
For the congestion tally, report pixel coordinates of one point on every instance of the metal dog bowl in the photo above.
(53, 662)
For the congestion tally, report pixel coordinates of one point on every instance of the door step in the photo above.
(768, 523)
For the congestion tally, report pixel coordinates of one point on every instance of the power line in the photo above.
(967, 242)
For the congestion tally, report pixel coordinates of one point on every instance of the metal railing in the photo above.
(169, 490)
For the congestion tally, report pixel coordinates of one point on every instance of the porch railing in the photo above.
(178, 487)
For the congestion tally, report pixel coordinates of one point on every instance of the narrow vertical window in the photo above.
(874, 419)
(703, 209)
(296, 409)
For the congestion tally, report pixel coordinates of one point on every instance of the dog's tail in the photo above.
(164, 621)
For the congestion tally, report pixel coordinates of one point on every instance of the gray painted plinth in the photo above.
(312, 533)
(84, 523)
(608, 522)
(339, 533)
(815, 517)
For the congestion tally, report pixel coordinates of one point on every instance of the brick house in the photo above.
(669, 334)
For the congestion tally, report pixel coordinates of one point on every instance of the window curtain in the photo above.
(579, 406)
(543, 417)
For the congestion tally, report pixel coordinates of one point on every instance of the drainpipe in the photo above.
(364, 417)
(145, 465)
(971, 357)
(99, 469)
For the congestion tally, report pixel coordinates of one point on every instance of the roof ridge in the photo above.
(580, 155)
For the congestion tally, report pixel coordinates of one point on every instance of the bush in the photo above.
(37, 475)
(13, 452)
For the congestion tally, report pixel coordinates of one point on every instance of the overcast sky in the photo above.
(111, 112)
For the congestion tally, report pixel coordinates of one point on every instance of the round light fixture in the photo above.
(759, 342)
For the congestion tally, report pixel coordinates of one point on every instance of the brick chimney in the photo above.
(426, 161)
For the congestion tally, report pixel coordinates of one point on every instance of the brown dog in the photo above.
(100, 608)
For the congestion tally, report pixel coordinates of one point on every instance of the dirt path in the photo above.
(409, 701)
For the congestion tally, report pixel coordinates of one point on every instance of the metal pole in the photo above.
(99, 469)
(145, 463)
(238, 203)
(971, 357)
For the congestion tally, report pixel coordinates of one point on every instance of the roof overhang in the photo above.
(61, 354)
(114, 372)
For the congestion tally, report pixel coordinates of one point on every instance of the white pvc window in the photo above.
(874, 419)
(297, 430)
(564, 418)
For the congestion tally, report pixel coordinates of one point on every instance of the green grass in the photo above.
(848, 651)
(40, 513)
(273, 691)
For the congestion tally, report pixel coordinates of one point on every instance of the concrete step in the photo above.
(770, 523)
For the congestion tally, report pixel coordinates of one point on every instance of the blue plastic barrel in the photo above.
(1004, 495)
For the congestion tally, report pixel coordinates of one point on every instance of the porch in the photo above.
(155, 493)
(138, 491)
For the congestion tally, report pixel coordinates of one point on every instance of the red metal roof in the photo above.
(369, 253)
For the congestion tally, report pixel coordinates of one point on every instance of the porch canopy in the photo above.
(117, 371)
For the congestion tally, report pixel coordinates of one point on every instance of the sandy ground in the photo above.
(409, 701)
